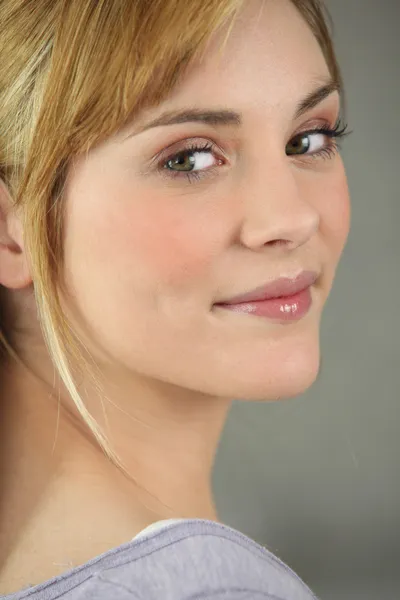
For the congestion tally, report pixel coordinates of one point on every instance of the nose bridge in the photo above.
(275, 209)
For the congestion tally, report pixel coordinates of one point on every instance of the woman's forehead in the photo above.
(270, 50)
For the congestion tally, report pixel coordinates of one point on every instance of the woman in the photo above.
(173, 209)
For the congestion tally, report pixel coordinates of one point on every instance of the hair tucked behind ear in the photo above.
(61, 93)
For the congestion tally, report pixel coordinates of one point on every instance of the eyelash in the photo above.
(334, 134)
(191, 148)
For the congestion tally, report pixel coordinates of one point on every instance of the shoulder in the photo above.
(186, 560)
(196, 559)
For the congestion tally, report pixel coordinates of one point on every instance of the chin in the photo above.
(282, 371)
(286, 381)
(289, 382)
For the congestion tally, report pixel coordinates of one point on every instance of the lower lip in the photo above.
(290, 308)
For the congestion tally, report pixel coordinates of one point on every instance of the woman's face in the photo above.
(226, 187)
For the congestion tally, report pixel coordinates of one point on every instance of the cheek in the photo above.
(141, 238)
(165, 241)
(331, 200)
(336, 212)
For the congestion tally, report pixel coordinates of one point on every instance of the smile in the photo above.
(284, 308)
(285, 299)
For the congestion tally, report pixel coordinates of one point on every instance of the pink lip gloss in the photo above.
(285, 308)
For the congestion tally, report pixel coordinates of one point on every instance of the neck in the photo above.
(75, 501)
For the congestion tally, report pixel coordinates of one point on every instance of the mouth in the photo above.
(285, 299)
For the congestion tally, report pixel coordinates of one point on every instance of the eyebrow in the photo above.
(229, 118)
(208, 117)
(316, 97)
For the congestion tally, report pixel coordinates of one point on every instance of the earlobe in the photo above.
(14, 268)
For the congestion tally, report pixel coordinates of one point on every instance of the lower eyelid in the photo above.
(188, 175)
(325, 153)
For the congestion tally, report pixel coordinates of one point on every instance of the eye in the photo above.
(308, 143)
(318, 142)
(192, 159)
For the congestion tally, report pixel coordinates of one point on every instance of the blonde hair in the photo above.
(73, 73)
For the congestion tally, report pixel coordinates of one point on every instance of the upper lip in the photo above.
(279, 288)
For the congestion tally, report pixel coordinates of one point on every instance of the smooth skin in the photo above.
(148, 253)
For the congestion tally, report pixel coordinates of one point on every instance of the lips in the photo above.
(283, 287)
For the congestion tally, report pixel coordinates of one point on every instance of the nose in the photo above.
(277, 212)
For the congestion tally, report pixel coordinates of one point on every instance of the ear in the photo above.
(14, 268)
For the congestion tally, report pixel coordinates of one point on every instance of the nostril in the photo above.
(278, 243)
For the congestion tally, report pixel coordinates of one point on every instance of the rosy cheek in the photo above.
(334, 207)
(164, 244)
(167, 245)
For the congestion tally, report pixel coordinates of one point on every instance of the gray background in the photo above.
(316, 479)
